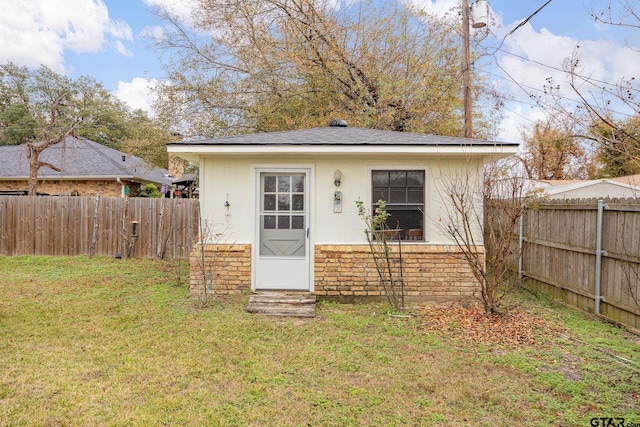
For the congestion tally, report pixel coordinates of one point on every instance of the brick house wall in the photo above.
(225, 268)
(430, 272)
(344, 272)
(85, 188)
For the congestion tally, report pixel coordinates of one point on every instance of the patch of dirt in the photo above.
(571, 367)
(633, 336)
(468, 322)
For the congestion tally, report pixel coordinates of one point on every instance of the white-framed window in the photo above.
(403, 192)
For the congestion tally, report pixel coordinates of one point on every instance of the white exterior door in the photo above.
(281, 257)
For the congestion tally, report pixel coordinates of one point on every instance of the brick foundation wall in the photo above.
(106, 188)
(226, 267)
(430, 272)
(346, 272)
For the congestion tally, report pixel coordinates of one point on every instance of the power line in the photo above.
(521, 24)
(520, 115)
(551, 67)
(528, 89)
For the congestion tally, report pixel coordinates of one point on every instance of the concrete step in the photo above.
(282, 304)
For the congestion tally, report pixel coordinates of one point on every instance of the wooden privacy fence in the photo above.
(103, 226)
(586, 253)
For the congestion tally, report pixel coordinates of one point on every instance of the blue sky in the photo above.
(105, 39)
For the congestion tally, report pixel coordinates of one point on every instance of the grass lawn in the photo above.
(114, 342)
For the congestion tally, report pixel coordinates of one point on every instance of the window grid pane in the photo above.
(403, 192)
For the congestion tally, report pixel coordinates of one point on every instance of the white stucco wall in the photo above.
(233, 179)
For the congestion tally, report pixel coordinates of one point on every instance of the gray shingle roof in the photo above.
(80, 158)
(342, 136)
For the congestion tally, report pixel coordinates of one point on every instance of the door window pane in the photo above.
(269, 202)
(269, 222)
(283, 222)
(297, 222)
(282, 234)
(284, 202)
(284, 184)
(297, 202)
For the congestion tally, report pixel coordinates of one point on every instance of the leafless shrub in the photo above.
(482, 215)
(388, 264)
(207, 260)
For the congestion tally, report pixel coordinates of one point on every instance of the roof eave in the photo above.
(464, 150)
(69, 177)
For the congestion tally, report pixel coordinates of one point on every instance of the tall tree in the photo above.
(17, 124)
(607, 109)
(619, 149)
(552, 151)
(27, 96)
(53, 133)
(281, 64)
(146, 139)
(40, 108)
(599, 131)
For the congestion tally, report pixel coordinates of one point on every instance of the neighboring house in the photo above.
(622, 187)
(633, 180)
(283, 209)
(88, 168)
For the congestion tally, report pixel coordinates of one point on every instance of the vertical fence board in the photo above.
(559, 254)
(64, 225)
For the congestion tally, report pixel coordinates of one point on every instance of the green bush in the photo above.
(149, 190)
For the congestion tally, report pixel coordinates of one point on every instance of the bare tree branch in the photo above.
(50, 138)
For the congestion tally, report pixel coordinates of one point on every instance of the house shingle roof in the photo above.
(343, 136)
(633, 180)
(80, 158)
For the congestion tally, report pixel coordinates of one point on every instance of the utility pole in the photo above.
(466, 70)
(480, 18)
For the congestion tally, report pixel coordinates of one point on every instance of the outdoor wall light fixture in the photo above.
(227, 209)
(337, 178)
(337, 195)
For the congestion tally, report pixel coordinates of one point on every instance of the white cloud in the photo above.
(438, 8)
(182, 9)
(120, 47)
(153, 32)
(138, 93)
(121, 30)
(515, 121)
(546, 53)
(39, 31)
(540, 55)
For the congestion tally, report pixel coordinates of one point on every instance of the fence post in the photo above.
(94, 234)
(521, 246)
(599, 253)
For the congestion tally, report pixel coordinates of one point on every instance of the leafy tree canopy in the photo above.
(552, 151)
(285, 64)
(619, 149)
(83, 105)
